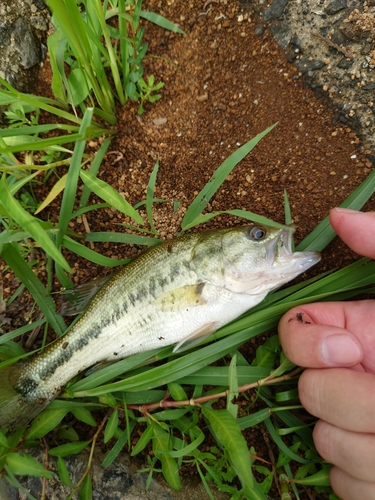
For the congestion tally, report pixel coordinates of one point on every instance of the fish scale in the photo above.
(176, 293)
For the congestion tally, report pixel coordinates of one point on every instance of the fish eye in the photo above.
(256, 233)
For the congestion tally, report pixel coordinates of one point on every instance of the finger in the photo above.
(343, 397)
(352, 452)
(357, 229)
(315, 336)
(349, 488)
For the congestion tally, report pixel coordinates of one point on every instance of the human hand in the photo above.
(335, 341)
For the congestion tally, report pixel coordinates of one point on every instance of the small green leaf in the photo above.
(84, 415)
(65, 450)
(321, 478)
(63, 472)
(161, 21)
(111, 426)
(177, 392)
(85, 492)
(25, 465)
(144, 439)
(45, 422)
(162, 442)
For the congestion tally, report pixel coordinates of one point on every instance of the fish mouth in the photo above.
(279, 251)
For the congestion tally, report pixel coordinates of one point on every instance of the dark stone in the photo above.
(369, 86)
(345, 63)
(117, 478)
(305, 65)
(281, 33)
(4, 35)
(259, 30)
(335, 6)
(27, 44)
(296, 41)
(40, 4)
(343, 119)
(275, 10)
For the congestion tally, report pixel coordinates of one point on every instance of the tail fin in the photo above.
(17, 409)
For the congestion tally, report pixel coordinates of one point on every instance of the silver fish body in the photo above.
(176, 293)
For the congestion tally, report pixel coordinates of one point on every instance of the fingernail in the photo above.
(342, 210)
(341, 350)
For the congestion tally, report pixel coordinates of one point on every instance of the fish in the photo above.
(177, 292)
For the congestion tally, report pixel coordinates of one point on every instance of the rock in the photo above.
(23, 30)
(335, 6)
(306, 65)
(369, 86)
(275, 10)
(281, 33)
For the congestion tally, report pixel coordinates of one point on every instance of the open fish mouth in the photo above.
(279, 251)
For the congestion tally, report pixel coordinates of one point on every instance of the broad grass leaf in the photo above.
(25, 465)
(227, 432)
(65, 450)
(94, 169)
(110, 195)
(45, 422)
(111, 426)
(63, 472)
(217, 179)
(55, 191)
(30, 224)
(161, 21)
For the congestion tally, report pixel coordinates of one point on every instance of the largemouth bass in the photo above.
(176, 293)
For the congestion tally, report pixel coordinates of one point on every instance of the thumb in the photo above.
(314, 345)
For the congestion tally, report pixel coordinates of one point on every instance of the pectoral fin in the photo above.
(181, 298)
(195, 338)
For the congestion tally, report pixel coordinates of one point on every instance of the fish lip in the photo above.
(280, 247)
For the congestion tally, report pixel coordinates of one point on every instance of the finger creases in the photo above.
(341, 396)
(348, 487)
(353, 452)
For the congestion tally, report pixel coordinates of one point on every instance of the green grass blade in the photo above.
(110, 195)
(324, 233)
(217, 179)
(244, 214)
(70, 190)
(161, 21)
(150, 195)
(91, 255)
(131, 239)
(13, 258)
(30, 224)
(94, 169)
